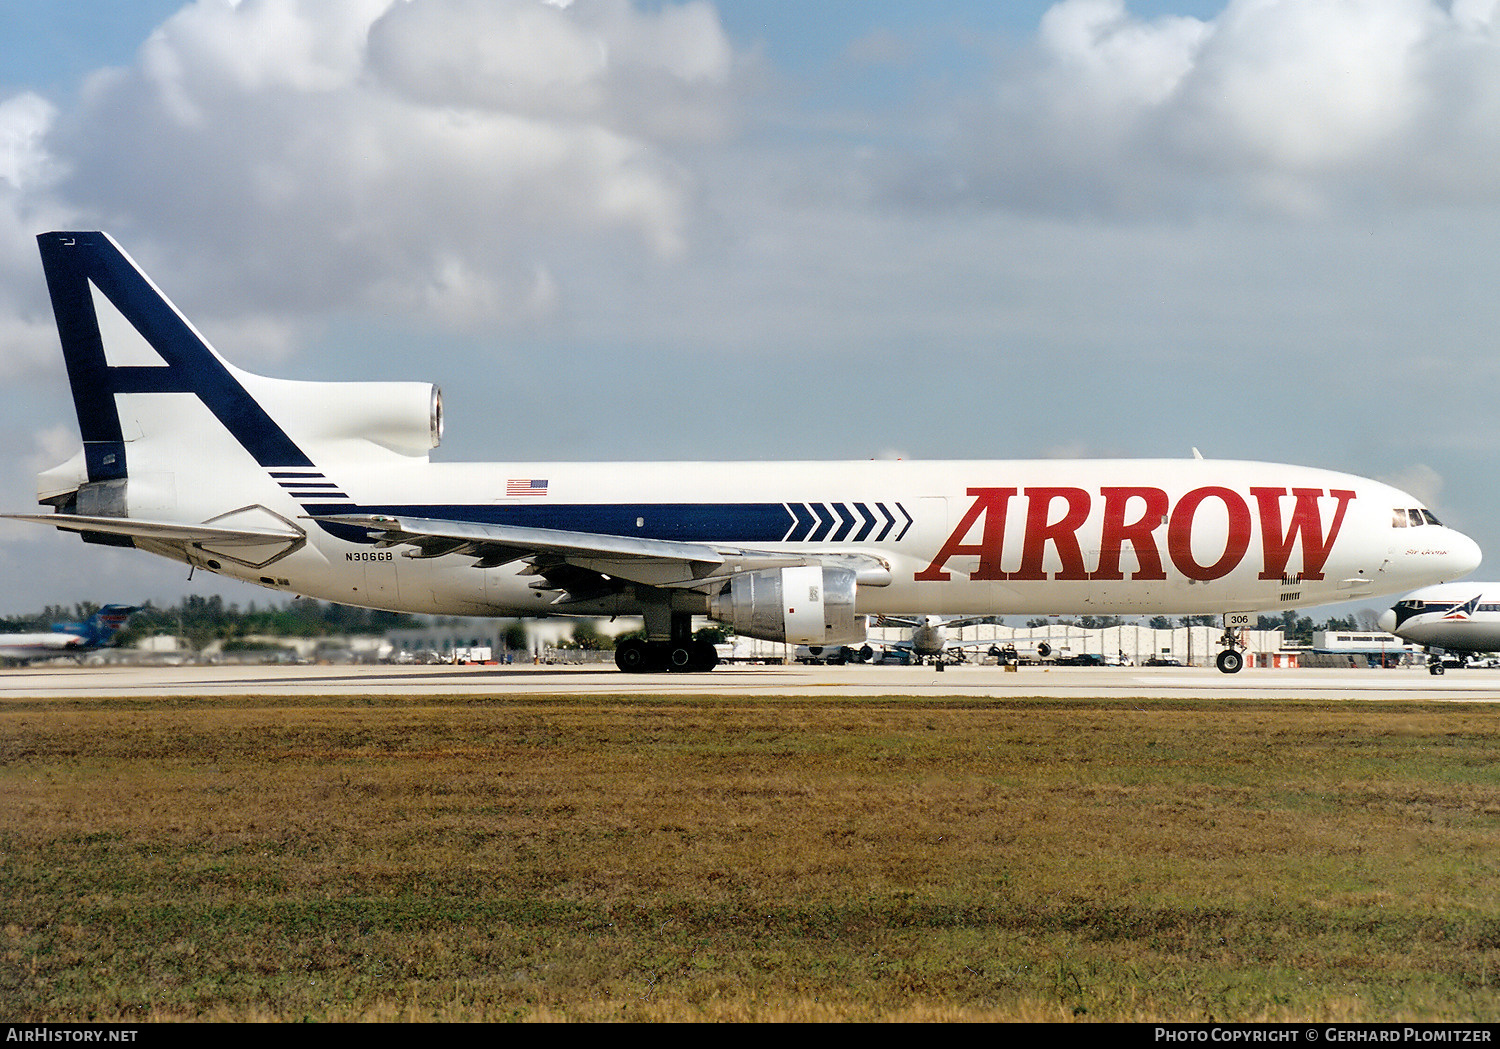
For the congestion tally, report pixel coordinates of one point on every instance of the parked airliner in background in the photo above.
(1458, 617)
(67, 639)
(325, 489)
(929, 641)
(926, 642)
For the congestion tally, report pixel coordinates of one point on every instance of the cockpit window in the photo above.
(1412, 517)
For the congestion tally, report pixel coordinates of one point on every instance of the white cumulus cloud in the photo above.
(443, 146)
(29, 172)
(1291, 106)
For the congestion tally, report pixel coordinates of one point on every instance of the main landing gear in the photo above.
(680, 652)
(638, 656)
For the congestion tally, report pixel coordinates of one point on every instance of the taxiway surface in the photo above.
(1413, 683)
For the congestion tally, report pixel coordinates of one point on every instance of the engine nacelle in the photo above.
(806, 605)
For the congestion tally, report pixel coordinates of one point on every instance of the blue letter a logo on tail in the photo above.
(160, 353)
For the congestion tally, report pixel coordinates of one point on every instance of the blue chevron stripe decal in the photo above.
(846, 522)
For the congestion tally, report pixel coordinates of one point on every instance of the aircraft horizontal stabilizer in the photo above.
(165, 531)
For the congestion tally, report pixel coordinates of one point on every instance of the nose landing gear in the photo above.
(1232, 641)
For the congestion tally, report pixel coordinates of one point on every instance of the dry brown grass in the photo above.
(729, 859)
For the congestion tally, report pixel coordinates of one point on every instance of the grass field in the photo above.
(748, 859)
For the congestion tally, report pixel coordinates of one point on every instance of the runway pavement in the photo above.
(747, 681)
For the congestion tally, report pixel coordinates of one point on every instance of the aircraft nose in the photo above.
(1463, 556)
(1387, 621)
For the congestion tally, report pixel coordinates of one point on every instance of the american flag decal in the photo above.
(525, 486)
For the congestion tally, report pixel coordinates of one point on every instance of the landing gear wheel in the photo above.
(705, 656)
(680, 658)
(1230, 661)
(632, 656)
(1434, 668)
(692, 657)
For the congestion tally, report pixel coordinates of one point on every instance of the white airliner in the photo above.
(66, 639)
(1459, 617)
(929, 641)
(325, 489)
(926, 642)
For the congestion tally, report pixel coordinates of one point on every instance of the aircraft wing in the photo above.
(551, 552)
(947, 622)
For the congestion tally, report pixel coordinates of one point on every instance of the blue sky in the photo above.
(1263, 228)
(51, 47)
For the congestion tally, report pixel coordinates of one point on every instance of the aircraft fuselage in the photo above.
(1108, 536)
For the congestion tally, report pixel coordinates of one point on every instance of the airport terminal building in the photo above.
(1133, 644)
(1139, 644)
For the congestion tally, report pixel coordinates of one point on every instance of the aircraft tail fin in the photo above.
(100, 628)
(125, 344)
(105, 623)
(120, 335)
